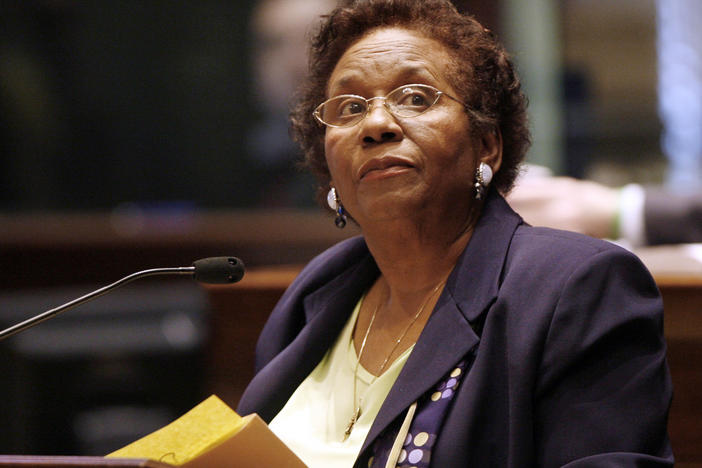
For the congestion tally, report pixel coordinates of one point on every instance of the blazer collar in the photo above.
(475, 280)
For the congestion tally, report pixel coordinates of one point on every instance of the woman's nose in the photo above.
(380, 125)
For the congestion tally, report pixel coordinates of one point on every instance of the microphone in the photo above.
(218, 270)
(213, 270)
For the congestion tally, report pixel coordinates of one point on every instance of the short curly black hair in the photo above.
(482, 74)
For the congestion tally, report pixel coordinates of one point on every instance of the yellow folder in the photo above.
(213, 435)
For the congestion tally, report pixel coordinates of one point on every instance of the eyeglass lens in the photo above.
(405, 101)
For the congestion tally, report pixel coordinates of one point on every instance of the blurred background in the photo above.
(166, 106)
(137, 134)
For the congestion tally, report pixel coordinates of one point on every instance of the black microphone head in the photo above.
(218, 270)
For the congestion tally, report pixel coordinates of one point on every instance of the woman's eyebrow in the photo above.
(345, 83)
(416, 72)
(404, 75)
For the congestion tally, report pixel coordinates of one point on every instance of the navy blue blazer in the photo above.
(569, 367)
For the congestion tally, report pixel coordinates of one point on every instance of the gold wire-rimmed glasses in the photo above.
(408, 100)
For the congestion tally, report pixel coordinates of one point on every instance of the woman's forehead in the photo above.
(404, 73)
(390, 54)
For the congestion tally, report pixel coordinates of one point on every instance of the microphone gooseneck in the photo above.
(214, 270)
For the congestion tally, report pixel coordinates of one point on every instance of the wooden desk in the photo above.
(242, 309)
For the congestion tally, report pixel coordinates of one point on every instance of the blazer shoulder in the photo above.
(539, 249)
(536, 239)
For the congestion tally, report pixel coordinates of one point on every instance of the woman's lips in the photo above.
(386, 166)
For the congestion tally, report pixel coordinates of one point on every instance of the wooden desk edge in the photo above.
(77, 461)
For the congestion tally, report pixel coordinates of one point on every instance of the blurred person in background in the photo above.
(633, 214)
(279, 30)
(641, 215)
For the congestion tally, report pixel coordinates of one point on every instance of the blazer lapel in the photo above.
(450, 332)
(433, 355)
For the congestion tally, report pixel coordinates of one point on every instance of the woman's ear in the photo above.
(491, 149)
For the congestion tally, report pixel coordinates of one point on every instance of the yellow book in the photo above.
(213, 435)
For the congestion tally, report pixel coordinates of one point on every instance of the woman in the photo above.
(450, 333)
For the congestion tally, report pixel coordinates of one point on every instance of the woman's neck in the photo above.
(413, 258)
(414, 267)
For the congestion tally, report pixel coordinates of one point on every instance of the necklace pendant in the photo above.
(354, 418)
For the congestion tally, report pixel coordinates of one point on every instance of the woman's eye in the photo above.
(413, 98)
(351, 108)
(418, 100)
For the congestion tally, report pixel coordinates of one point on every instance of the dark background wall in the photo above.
(109, 102)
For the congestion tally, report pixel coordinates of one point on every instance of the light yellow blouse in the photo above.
(313, 421)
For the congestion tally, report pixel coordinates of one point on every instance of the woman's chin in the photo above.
(388, 207)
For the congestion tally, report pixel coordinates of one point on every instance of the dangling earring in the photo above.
(483, 176)
(335, 204)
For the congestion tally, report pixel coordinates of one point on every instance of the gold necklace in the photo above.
(357, 411)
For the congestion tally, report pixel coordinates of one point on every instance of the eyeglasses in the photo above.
(409, 100)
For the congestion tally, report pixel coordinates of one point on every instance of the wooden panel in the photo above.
(683, 330)
(240, 311)
(73, 248)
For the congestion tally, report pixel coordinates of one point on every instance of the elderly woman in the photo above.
(451, 333)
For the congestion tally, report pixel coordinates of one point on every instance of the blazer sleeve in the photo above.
(604, 389)
(671, 218)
